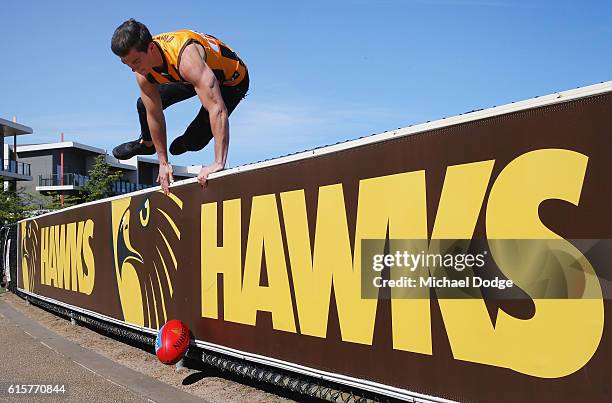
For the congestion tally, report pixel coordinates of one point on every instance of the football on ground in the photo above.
(172, 342)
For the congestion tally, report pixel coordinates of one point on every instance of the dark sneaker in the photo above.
(127, 150)
(185, 143)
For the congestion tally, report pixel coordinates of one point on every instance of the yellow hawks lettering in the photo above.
(66, 257)
(394, 206)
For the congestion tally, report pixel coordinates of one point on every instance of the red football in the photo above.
(172, 342)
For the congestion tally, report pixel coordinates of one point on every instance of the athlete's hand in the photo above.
(207, 170)
(165, 177)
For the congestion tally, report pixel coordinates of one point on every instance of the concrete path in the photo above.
(31, 354)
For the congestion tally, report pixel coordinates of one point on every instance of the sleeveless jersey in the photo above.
(222, 60)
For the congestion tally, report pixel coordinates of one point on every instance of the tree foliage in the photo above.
(101, 178)
(14, 206)
(54, 200)
(17, 205)
(99, 186)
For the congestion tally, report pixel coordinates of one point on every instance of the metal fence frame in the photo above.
(8, 232)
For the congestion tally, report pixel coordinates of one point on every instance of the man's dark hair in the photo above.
(130, 34)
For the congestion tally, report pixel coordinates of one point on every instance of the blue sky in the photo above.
(321, 71)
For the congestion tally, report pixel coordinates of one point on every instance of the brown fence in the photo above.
(266, 262)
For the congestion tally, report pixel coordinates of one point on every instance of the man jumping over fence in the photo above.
(170, 68)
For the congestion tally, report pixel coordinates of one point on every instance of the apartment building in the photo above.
(63, 168)
(12, 170)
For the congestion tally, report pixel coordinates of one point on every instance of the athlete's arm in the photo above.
(157, 125)
(194, 69)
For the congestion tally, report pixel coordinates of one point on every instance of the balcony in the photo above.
(74, 181)
(14, 170)
(121, 187)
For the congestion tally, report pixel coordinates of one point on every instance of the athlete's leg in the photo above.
(170, 94)
(199, 133)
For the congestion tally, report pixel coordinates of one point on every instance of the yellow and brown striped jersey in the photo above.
(221, 59)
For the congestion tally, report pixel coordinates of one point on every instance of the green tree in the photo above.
(14, 206)
(54, 200)
(101, 178)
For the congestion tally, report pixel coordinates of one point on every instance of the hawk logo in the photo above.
(29, 253)
(145, 237)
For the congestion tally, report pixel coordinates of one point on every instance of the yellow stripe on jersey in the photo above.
(221, 59)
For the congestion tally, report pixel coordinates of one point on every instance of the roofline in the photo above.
(121, 166)
(19, 128)
(63, 144)
(115, 163)
(556, 98)
(148, 160)
(184, 170)
(130, 164)
(139, 158)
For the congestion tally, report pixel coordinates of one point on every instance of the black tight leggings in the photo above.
(172, 93)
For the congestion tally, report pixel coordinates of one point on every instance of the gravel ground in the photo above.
(207, 383)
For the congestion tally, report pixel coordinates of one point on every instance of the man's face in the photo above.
(139, 62)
